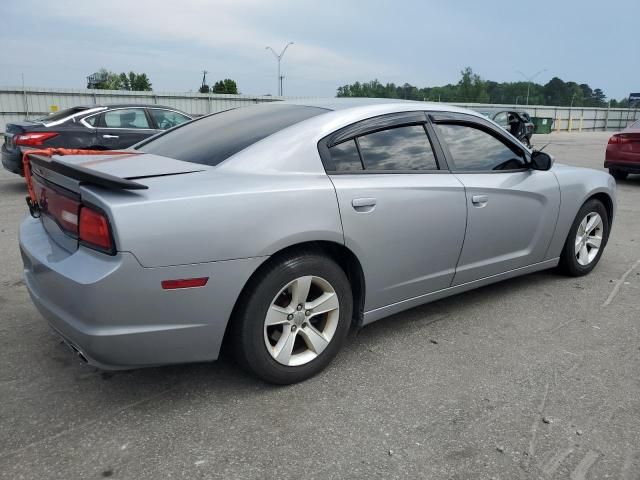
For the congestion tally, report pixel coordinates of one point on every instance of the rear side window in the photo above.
(212, 139)
(402, 148)
(345, 157)
(398, 149)
(474, 150)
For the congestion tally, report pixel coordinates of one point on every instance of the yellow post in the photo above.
(558, 124)
(570, 123)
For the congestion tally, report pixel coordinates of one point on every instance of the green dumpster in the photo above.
(542, 124)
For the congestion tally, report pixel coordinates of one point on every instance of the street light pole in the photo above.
(530, 79)
(279, 58)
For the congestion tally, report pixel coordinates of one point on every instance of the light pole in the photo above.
(530, 79)
(279, 58)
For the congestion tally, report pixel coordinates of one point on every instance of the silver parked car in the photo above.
(276, 227)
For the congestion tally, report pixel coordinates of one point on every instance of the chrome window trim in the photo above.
(79, 114)
(107, 109)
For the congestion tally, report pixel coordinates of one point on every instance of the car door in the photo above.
(512, 209)
(123, 127)
(403, 213)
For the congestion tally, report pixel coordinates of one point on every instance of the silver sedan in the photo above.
(277, 227)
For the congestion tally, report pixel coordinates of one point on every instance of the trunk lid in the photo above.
(57, 185)
(16, 128)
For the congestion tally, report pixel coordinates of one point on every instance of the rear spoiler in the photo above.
(85, 175)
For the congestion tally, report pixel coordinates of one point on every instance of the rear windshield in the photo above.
(212, 139)
(54, 117)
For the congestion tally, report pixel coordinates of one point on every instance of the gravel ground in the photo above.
(530, 378)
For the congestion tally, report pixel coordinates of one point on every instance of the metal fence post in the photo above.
(606, 119)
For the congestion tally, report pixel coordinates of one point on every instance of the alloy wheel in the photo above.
(588, 238)
(301, 321)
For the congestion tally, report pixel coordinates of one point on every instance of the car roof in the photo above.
(337, 104)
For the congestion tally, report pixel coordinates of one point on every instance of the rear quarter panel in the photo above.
(214, 216)
(577, 185)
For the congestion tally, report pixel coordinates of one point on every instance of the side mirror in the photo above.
(541, 160)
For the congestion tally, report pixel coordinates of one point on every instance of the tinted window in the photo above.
(167, 119)
(475, 150)
(210, 140)
(127, 118)
(345, 157)
(92, 120)
(402, 148)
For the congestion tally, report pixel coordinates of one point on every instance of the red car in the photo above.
(623, 152)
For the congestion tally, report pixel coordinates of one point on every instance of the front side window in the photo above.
(401, 148)
(166, 119)
(126, 118)
(474, 150)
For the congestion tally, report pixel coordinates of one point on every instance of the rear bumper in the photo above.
(12, 161)
(623, 159)
(115, 312)
(623, 166)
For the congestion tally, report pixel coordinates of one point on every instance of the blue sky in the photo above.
(425, 43)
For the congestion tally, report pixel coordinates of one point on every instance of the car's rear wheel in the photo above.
(586, 240)
(618, 174)
(294, 319)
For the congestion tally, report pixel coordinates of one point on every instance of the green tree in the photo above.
(204, 88)
(219, 87)
(140, 82)
(124, 82)
(230, 86)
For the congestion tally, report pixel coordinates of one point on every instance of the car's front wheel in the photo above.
(586, 240)
(294, 319)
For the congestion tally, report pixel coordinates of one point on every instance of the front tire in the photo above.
(586, 240)
(294, 319)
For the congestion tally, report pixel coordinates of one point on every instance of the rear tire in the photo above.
(586, 239)
(283, 343)
(618, 174)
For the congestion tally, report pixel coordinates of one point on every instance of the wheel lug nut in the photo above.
(299, 307)
(290, 316)
(293, 328)
(307, 313)
(304, 325)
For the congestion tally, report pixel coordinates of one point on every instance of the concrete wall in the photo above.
(18, 104)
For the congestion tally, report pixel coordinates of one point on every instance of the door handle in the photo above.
(479, 200)
(110, 136)
(363, 205)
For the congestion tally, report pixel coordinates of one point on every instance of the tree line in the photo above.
(222, 86)
(471, 88)
(107, 80)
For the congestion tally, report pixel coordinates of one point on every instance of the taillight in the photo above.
(34, 139)
(94, 230)
(619, 139)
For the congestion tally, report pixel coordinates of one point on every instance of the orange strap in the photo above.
(50, 152)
